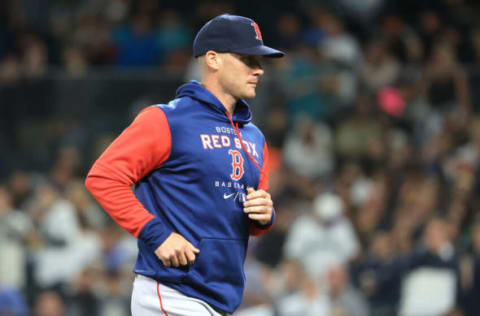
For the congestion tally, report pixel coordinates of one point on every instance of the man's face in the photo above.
(239, 74)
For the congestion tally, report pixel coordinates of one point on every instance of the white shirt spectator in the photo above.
(75, 250)
(322, 239)
(14, 226)
(341, 48)
(298, 304)
(438, 283)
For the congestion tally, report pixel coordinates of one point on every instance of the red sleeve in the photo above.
(142, 147)
(255, 229)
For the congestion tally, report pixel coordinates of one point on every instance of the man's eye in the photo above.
(250, 61)
(246, 60)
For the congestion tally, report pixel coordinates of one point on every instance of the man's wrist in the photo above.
(265, 224)
(154, 233)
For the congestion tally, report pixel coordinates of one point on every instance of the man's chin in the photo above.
(250, 95)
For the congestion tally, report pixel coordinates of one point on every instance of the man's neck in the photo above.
(227, 100)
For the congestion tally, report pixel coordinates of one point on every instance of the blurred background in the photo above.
(372, 120)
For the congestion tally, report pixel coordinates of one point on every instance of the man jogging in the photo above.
(199, 170)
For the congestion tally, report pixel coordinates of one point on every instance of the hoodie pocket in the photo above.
(218, 269)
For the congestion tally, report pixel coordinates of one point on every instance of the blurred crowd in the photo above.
(373, 123)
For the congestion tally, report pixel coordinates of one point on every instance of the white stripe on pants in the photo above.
(151, 298)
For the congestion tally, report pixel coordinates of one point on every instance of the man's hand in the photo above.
(259, 206)
(176, 251)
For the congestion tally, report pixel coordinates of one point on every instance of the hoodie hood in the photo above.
(194, 90)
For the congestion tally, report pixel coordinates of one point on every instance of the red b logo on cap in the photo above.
(257, 31)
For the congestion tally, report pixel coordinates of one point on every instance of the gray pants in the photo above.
(151, 298)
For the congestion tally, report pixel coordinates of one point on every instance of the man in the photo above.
(200, 172)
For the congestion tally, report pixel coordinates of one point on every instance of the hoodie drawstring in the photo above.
(237, 131)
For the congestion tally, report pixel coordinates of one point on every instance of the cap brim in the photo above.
(261, 50)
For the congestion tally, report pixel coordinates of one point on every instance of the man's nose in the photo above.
(258, 71)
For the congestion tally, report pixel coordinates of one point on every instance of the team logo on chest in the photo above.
(237, 164)
(235, 147)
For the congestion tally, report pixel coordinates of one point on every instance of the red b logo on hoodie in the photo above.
(237, 164)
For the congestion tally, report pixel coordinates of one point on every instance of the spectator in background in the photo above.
(303, 294)
(102, 286)
(314, 32)
(55, 239)
(94, 36)
(437, 149)
(257, 288)
(418, 201)
(83, 299)
(461, 166)
(322, 238)
(300, 81)
(401, 40)
(371, 211)
(288, 32)
(75, 62)
(353, 185)
(90, 216)
(430, 29)
(432, 269)
(14, 227)
(114, 294)
(415, 108)
(21, 186)
(378, 275)
(338, 45)
(470, 275)
(65, 167)
(49, 303)
(174, 38)
(35, 56)
(276, 127)
(355, 133)
(363, 10)
(269, 249)
(172, 32)
(10, 70)
(446, 85)
(379, 68)
(344, 299)
(308, 149)
(136, 42)
(400, 152)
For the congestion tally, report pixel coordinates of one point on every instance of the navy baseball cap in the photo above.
(232, 34)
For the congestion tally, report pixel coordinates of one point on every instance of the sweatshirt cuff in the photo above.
(154, 233)
(267, 225)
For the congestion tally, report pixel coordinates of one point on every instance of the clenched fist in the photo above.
(176, 251)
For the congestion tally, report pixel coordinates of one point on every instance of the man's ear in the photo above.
(213, 60)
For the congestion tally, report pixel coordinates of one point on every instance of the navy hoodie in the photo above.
(190, 164)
